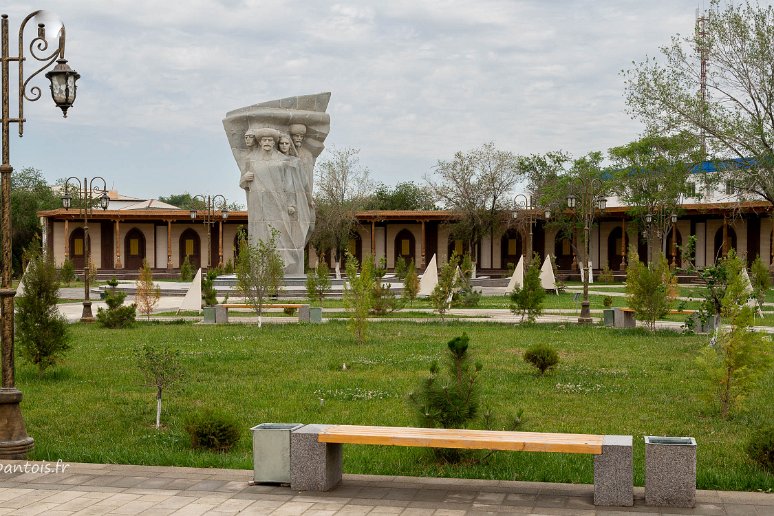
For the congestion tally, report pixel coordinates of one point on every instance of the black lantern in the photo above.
(63, 86)
(104, 201)
(66, 200)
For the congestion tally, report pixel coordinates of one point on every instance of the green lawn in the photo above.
(93, 408)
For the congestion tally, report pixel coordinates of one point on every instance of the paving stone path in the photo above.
(92, 489)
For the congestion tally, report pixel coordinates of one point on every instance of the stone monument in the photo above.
(275, 145)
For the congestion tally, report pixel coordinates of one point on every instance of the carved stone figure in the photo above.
(277, 170)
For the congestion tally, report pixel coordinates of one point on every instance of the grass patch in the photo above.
(607, 382)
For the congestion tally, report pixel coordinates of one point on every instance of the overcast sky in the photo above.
(411, 81)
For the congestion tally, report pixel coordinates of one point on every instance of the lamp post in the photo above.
(589, 203)
(14, 441)
(86, 193)
(526, 203)
(209, 220)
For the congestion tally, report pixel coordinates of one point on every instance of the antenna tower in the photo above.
(702, 48)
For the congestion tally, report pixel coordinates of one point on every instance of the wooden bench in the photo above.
(303, 309)
(316, 452)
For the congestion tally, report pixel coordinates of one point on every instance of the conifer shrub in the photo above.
(760, 448)
(209, 294)
(186, 270)
(41, 331)
(542, 356)
(212, 430)
(401, 268)
(67, 272)
(318, 282)
(606, 275)
(117, 314)
(527, 300)
(451, 400)
(411, 284)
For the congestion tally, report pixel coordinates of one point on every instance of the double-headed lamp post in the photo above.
(590, 202)
(524, 203)
(209, 220)
(672, 222)
(86, 191)
(14, 441)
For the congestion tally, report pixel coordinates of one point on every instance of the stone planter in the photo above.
(315, 315)
(608, 317)
(670, 471)
(712, 323)
(271, 452)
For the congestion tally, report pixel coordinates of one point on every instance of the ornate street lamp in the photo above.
(86, 193)
(527, 204)
(14, 441)
(209, 220)
(590, 202)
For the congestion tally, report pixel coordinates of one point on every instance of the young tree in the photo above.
(30, 193)
(209, 294)
(318, 283)
(648, 288)
(451, 401)
(411, 283)
(737, 112)
(653, 173)
(738, 358)
(528, 299)
(760, 280)
(41, 331)
(477, 185)
(449, 281)
(161, 367)
(343, 187)
(259, 272)
(147, 293)
(358, 296)
(404, 196)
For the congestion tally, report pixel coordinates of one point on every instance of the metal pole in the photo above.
(14, 441)
(86, 316)
(585, 315)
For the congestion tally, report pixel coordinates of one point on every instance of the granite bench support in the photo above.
(316, 465)
(624, 318)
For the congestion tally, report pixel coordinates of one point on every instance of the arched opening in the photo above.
(563, 253)
(134, 249)
(77, 248)
(617, 244)
(191, 247)
(239, 238)
(405, 245)
(511, 249)
(718, 251)
(460, 248)
(355, 248)
(674, 241)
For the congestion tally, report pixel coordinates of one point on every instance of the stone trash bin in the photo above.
(670, 471)
(271, 452)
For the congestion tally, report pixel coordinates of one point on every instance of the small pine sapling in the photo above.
(450, 401)
(209, 294)
(401, 267)
(42, 332)
(411, 284)
(760, 280)
(542, 356)
(67, 272)
(528, 299)
(186, 270)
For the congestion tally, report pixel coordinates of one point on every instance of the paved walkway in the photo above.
(91, 489)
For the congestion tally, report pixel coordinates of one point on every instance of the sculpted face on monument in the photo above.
(275, 145)
(284, 144)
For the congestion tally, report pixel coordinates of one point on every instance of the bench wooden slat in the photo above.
(241, 305)
(467, 439)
